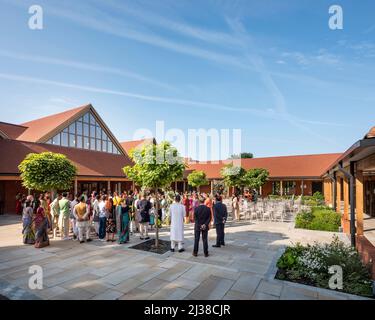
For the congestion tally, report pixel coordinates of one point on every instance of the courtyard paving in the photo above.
(242, 270)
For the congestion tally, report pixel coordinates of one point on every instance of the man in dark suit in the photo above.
(220, 218)
(202, 218)
(144, 207)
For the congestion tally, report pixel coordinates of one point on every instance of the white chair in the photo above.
(279, 212)
(268, 212)
(253, 212)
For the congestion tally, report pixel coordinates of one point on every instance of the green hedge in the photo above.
(320, 218)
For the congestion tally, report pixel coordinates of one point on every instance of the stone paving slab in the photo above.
(243, 270)
(214, 288)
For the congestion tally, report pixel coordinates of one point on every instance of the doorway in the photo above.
(317, 186)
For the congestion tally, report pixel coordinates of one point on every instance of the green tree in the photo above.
(155, 167)
(255, 178)
(196, 179)
(243, 155)
(47, 171)
(233, 176)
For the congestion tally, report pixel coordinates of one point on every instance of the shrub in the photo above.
(310, 265)
(320, 218)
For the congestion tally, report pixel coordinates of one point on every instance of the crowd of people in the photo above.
(114, 217)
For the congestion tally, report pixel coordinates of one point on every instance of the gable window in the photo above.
(86, 133)
(56, 140)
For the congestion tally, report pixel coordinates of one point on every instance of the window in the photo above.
(92, 144)
(289, 187)
(85, 133)
(72, 128)
(98, 132)
(110, 147)
(79, 142)
(92, 119)
(56, 140)
(92, 131)
(276, 188)
(79, 128)
(104, 146)
(86, 143)
(64, 139)
(98, 145)
(72, 140)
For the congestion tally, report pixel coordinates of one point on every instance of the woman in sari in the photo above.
(27, 220)
(44, 203)
(123, 232)
(41, 227)
(186, 203)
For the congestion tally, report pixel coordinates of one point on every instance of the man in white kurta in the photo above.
(177, 213)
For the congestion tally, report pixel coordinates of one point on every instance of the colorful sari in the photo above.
(28, 231)
(123, 231)
(41, 227)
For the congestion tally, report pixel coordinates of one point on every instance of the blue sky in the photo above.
(271, 68)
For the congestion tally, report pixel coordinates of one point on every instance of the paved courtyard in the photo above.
(243, 270)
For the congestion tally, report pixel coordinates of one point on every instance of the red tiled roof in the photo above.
(302, 166)
(39, 128)
(370, 134)
(89, 163)
(130, 145)
(12, 131)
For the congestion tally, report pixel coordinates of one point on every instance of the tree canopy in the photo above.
(196, 179)
(243, 155)
(155, 166)
(255, 178)
(233, 175)
(238, 177)
(47, 171)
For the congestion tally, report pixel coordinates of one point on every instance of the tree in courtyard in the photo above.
(233, 176)
(156, 167)
(219, 187)
(196, 179)
(243, 155)
(255, 178)
(47, 171)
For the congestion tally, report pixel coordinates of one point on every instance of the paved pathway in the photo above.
(243, 270)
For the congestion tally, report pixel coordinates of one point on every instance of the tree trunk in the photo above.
(157, 221)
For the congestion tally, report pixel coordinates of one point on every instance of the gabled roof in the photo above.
(286, 167)
(11, 131)
(41, 130)
(88, 163)
(130, 145)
